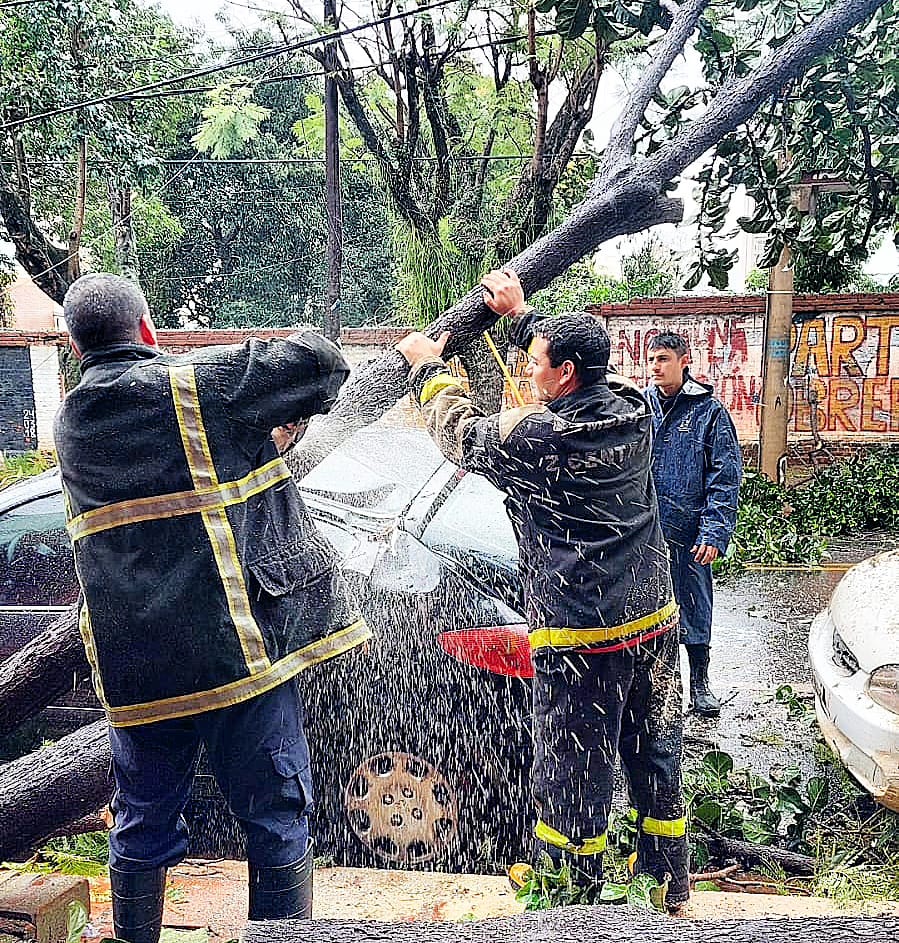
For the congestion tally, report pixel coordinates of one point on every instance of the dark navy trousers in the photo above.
(588, 708)
(260, 759)
(693, 592)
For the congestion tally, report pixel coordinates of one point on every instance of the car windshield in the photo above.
(473, 516)
(35, 556)
(378, 469)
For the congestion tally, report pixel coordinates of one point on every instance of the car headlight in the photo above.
(883, 687)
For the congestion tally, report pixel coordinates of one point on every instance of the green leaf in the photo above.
(612, 892)
(719, 763)
(76, 921)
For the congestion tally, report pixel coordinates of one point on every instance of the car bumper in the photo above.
(863, 734)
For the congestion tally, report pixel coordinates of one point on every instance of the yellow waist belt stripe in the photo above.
(591, 846)
(580, 638)
(664, 828)
(177, 503)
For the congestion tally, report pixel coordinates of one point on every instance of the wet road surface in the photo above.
(760, 642)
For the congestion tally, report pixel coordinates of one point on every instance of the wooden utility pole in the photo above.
(776, 369)
(332, 183)
(776, 394)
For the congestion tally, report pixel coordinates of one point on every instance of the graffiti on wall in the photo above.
(844, 374)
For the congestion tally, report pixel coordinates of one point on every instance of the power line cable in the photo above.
(222, 67)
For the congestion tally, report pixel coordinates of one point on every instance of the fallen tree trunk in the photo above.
(41, 671)
(603, 924)
(41, 792)
(625, 197)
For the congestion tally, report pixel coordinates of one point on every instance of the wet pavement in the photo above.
(759, 643)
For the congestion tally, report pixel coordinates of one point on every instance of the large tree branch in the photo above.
(626, 203)
(739, 99)
(373, 388)
(44, 262)
(621, 140)
(395, 174)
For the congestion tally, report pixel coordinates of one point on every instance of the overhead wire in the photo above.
(225, 66)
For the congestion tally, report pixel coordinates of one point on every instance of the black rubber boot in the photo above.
(282, 893)
(702, 701)
(666, 859)
(137, 901)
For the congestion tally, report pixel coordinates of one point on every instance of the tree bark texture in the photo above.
(40, 671)
(43, 791)
(752, 853)
(44, 262)
(602, 924)
(120, 207)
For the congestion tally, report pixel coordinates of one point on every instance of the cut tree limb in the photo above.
(752, 853)
(41, 671)
(603, 924)
(41, 792)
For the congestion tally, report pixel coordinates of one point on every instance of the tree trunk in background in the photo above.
(58, 784)
(123, 228)
(41, 671)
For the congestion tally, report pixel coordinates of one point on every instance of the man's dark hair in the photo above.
(103, 309)
(579, 338)
(670, 341)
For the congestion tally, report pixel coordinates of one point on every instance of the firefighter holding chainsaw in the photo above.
(576, 470)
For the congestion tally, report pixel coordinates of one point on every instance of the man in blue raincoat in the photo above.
(697, 466)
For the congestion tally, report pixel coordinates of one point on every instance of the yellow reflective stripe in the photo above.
(592, 846)
(178, 503)
(572, 638)
(243, 689)
(436, 385)
(218, 528)
(190, 421)
(90, 647)
(666, 828)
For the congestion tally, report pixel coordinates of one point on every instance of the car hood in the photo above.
(864, 609)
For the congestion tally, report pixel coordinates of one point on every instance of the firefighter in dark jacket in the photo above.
(206, 588)
(575, 468)
(697, 467)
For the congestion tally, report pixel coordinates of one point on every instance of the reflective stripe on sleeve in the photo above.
(437, 384)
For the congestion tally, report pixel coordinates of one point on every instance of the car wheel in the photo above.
(418, 760)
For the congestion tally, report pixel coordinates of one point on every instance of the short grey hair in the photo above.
(102, 309)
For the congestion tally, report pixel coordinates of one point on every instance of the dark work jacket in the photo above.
(697, 466)
(205, 581)
(580, 496)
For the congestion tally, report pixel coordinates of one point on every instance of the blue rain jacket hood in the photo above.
(697, 466)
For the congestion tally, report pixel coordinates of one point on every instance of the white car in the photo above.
(854, 653)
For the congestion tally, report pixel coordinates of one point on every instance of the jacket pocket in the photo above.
(290, 568)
